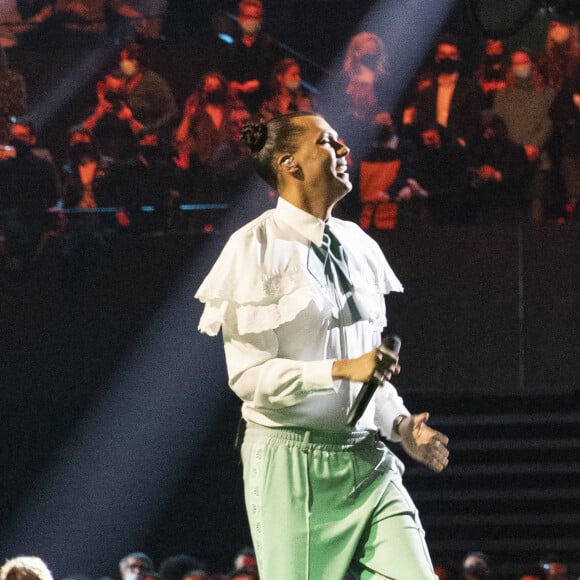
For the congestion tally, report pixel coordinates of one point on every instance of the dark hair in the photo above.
(175, 567)
(137, 555)
(265, 140)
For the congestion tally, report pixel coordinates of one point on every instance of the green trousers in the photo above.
(320, 503)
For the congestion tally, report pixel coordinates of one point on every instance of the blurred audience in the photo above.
(452, 99)
(251, 56)
(561, 53)
(149, 100)
(492, 71)
(524, 105)
(25, 568)
(12, 96)
(565, 113)
(286, 92)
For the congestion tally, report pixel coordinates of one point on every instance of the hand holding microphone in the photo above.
(387, 355)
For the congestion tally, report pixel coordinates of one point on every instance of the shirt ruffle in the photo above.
(269, 285)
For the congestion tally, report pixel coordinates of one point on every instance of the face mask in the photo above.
(522, 71)
(293, 85)
(251, 27)
(369, 60)
(131, 576)
(128, 68)
(448, 66)
(217, 97)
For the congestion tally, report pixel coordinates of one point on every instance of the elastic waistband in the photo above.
(330, 440)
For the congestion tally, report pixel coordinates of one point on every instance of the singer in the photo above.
(299, 296)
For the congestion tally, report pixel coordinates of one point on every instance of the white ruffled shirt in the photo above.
(283, 326)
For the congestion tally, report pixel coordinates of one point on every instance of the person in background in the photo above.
(203, 128)
(561, 53)
(135, 566)
(499, 176)
(452, 100)
(286, 92)
(149, 98)
(477, 566)
(321, 494)
(251, 56)
(492, 71)
(25, 568)
(12, 96)
(565, 113)
(524, 105)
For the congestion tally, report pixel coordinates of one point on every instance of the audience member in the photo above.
(452, 100)
(387, 175)
(12, 96)
(492, 72)
(365, 74)
(561, 53)
(20, 17)
(135, 566)
(84, 21)
(499, 175)
(177, 566)
(356, 108)
(524, 105)
(477, 566)
(231, 160)
(197, 575)
(246, 574)
(536, 572)
(442, 171)
(80, 185)
(565, 113)
(25, 568)
(112, 123)
(149, 98)
(251, 56)
(28, 187)
(555, 567)
(245, 557)
(203, 128)
(146, 185)
(286, 93)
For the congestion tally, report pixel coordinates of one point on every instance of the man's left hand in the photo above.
(424, 444)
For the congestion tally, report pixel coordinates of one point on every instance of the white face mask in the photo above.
(293, 85)
(128, 68)
(131, 576)
(251, 27)
(522, 71)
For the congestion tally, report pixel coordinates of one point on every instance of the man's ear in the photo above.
(288, 162)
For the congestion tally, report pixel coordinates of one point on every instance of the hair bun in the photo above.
(254, 136)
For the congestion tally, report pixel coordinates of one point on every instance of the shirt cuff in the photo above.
(317, 376)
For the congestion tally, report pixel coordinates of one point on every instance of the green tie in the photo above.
(331, 252)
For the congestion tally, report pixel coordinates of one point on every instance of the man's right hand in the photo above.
(362, 368)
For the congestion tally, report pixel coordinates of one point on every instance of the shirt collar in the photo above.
(301, 221)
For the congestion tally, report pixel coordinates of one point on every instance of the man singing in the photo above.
(299, 297)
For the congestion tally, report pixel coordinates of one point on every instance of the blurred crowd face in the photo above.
(134, 569)
(521, 64)
(290, 78)
(238, 117)
(556, 571)
(250, 19)
(446, 51)
(559, 32)
(494, 47)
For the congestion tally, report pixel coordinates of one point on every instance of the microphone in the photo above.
(390, 348)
